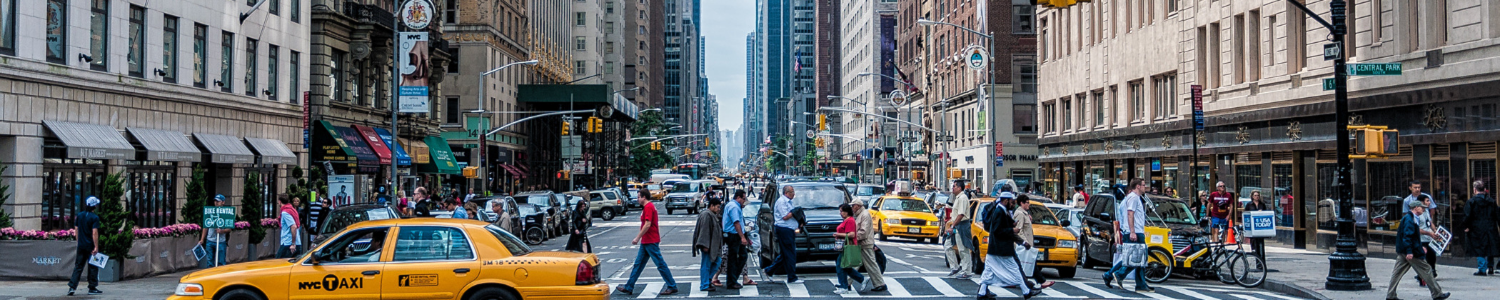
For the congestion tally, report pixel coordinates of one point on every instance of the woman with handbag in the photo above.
(851, 257)
(578, 240)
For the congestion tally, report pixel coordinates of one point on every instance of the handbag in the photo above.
(853, 256)
(1134, 255)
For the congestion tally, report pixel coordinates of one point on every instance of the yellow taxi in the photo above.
(904, 216)
(1057, 248)
(421, 258)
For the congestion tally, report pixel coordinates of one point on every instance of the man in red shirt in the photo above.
(1221, 205)
(650, 240)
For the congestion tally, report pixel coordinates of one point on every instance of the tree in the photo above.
(298, 187)
(197, 198)
(116, 231)
(252, 207)
(4, 197)
(643, 159)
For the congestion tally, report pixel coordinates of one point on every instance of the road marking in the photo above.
(652, 289)
(1051, 293)
(943, 287)
(1246, 297)
(1275, 295)
(899, 261)
(797, 290)
(835, 282)
(694, 292)
(896, 288)
(1183, 291)
(1094, 290)
(1002, 292)
(750, 291)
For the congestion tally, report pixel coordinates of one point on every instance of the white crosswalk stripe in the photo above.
(651, 290)
(693, 290)
(797, 290)
(1187, 292)
(1092, 290)
(1003, 293)
(940, 287)
(896, 289)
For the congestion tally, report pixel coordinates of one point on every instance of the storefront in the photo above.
(154, 174)
(383, 153)
(420, 155)
(443, 174)
(343, 149)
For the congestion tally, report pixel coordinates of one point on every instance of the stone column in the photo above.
(22, 157)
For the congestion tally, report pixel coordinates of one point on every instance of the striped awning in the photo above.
(165, 145)
(91, 141)
(224, 149)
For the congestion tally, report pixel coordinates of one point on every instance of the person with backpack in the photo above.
(1221, 205)
(1080, 198)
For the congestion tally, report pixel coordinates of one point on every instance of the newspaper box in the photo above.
(1259, 224)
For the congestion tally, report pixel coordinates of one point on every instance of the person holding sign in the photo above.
(214, 239)
(87, 224)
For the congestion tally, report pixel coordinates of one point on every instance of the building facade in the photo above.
(867, 51)
(1127, 109)
(643, 53)
(190, 85)
(484, 35)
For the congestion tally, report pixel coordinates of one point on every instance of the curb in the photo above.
(1292, 289)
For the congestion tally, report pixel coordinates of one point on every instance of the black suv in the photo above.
(820, 204)
(1097, 238)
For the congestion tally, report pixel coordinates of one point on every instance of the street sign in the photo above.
(1375, 69)
(976, 58)
(898, 98)
(1329, 84)
(811, 134)
(218, 217)
(1332, 51)
(945, 138)
(1197, 107)
(909, 139)
(572, 146)
(999, 154)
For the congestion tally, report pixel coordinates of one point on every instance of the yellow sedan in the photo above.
(1057, 247)
(422, 258)
(904, 216)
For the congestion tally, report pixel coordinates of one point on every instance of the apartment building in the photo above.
(484, 35)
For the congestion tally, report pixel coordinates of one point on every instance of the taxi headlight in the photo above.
(892, 221)
(1067, 244)
(189, 289)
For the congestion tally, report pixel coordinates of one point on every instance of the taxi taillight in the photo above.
(586, 274)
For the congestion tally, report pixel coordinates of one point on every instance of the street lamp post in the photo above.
(864, 126)
(989, 77)
(483, 151)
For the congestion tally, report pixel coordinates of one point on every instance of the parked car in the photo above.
(819, 202)
(343, 216)
(685, 195)
(507, 205)
(533, 222)
(606, 204)
(550, 204)
(1161, 212)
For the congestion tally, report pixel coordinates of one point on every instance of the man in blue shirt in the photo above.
(786, 231)
(88, 234)
(734, 238)
(1411, 255)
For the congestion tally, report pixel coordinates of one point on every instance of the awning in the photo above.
(513, 171)
(373, 139)
(163, 145)
(399, 153)
(442, 157)
(272, 152)
(419, 153)
(91, 141)
(329, 146)
(367, 161)
(223, 149)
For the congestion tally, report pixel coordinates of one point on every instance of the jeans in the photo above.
(283, 251)
(652, 252)
(216, 256)
(734, 259)
(706, 271)
(786, 240)
(1122, 270)
(1484, 264)
(846, 273)
(82, 262)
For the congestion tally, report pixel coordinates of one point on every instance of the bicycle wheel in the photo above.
(1249, 270)
(1222, 266)
(1158, 266)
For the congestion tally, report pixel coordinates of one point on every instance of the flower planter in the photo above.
(39, 259)
(184, 258)
(140, 266)
(109, 273)
(238, 246)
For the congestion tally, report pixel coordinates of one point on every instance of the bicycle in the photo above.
(1229, 265)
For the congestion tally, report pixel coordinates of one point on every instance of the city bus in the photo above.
(692, 170)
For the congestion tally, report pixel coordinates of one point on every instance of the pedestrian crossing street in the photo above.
(943, 287)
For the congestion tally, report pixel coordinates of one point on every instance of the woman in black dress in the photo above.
(578, 239)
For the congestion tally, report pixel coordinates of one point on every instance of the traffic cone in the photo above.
(1231, 239)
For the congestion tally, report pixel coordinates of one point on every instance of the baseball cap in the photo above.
(1078, 187)
(860, 202)
(91, 201)
(219, 197)
(1007, 195)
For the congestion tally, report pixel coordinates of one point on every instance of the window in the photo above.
(1049, 115)
(296, 79)
(1025, 74)
(609, 67)
(1237, 46)
(452, 112)
(1296, 38)
(453, 60)
(99, 35)
(335, 87)
(272, 59)
(1023, 20)
(1164, 89)
(580, 67)
(1137, 102)
(1067, 114)
(251, 68)
(1024, 118)
(580, 43)
(425, 243)
(609, 7)
(580, 19)
(226, 62)
(65, 181)
(1252, 60)
(169, 49)
(275, 7)
(609, 27)
(1214, 75)
(1099, 112)
(1201, 61)
(8, 27)
(354, 247)
(450, 12)
(297, 11)
(200, 55)
(152, 189)
(135, 60)
(609, 47)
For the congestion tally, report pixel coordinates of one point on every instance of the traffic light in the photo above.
(471, 172)
(1374, 141)
(563, 175)
(1058, 3)
(818, 143)
(565, 127)
(822, 122)
(687, 152)
(955, 173)
(598, 125)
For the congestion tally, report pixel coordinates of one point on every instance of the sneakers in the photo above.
(95, 292)
(964, 277)
(1443, 296)
(1145, 290)
(798, 280)
(71, 290)
(878, 289)
(840, 291)
(864, 285)
(954, 272)
(1033, 293)
(622, 290)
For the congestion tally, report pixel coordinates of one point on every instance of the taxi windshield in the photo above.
(896, 204)
(1041, 215)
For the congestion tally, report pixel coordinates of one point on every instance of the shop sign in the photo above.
(416, 14)
(1197, 107)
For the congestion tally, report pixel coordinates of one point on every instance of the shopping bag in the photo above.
(853, 256)
(1027, 258)
(1133, 255)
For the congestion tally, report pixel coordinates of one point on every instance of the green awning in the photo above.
(442, 158)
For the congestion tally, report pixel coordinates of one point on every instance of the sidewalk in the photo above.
(156, 287)
(1303, 273)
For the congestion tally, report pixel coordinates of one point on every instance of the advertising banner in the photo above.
(413, 60)
(341, 189)
(220, 217)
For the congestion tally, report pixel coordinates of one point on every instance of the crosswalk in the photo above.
(943, 287)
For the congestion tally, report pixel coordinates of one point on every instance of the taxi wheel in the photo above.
(241, 294)
(607, 214)
(881, 233)
(1066, 272)
(492, 293)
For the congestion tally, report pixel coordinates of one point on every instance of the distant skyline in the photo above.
(725, 24)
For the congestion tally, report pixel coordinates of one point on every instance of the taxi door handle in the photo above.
(461, 270)
(371, 272)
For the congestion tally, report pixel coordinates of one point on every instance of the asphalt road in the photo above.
(914, 270)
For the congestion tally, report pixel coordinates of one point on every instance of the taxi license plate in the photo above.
(825, 246)
(914, 229)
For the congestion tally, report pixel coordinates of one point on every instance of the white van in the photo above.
(660, 178)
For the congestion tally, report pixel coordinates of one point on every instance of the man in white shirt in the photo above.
(1132, 229)
(961, 241)
(786, 231)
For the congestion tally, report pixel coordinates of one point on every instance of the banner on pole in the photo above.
(413, 60)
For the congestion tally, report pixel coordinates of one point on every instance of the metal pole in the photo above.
(484, 162)
(994, 136)
(1347, 266)
(395, 96)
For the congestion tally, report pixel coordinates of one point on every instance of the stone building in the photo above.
(1125, 109)
(148, 90)
(484, 35)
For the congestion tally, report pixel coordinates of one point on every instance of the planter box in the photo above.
(109, 273)
(238, 246)
(183, 259)
(139, 266)
(46, 260)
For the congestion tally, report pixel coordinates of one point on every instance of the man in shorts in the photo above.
(1221, 205)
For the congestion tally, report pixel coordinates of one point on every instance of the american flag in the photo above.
(797, 62)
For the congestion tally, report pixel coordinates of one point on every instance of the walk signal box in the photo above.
(1374, 141)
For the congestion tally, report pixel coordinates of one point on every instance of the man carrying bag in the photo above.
(1131, 239)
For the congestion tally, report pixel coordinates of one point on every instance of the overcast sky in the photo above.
(725, 24)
